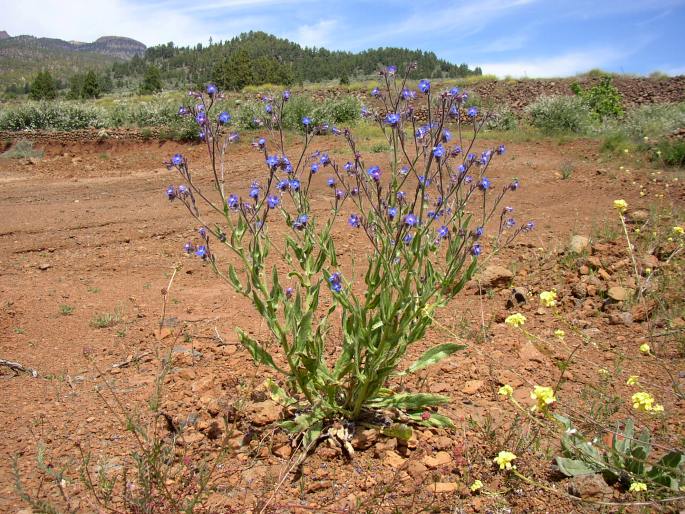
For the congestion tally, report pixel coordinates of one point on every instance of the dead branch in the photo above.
(18, 368)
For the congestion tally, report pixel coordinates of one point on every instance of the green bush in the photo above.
(247, 113)
(603, 98)
(671, 153)
(501, 119)
(52, 116)
(559, 114)
(652, 120)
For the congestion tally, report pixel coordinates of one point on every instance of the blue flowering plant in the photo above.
(419, 220)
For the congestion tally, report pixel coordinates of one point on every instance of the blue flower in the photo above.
(335, 280)
(233, 202)
(288, 292)
(443, 232)
(171, 192)
(514, 185)
(183, 111)
(454, 91)
(273, 201)
(392, 213)
(212, 89)
(272, 161)
(177, 159)
(461, 169)
(188, 247)
(201, 118)
(286, 95)
(224, 118)
(454, 111)
(478, 232)
(354, 221)
(348, 167)
(283, 185)
(254, 192)
(484, 184)
(528, 226)
(331, 182)
(476, 250)
(354, 191)
(339, 194)
(407, 238)
(404, 170)
(446, 135)
(424, 86)
(375, 173)
(314, 168)
(392, 119)
(300, 222)
(510, 222)
(423, 181)
(375, 92)
(325, 159)
(201, 251)
(268, 108)
(472, 112)
(261, 142)
(401, 196)
(306, 121)
(391, 70)
(336, 131)
(410, 220)
(456, 150)
(501, 149)
(294, 184)
(438, 151)
(203, 232)
(365, 112)
(407, 94)
(183, 190)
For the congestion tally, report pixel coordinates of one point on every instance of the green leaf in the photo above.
(435, 420)
(259, 354)
(399, 430)
(410, 401)
(573, 468)
(278, 394)
(432, 356)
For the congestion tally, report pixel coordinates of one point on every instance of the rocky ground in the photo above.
(88, 242)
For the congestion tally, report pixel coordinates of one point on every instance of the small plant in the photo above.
(560, 114)
(23, 149)
(106, 319)
(603, 98)
(669, 152)
(567, 169)
(379, 147)
(422, 221)
(624, 459)
(66, 310)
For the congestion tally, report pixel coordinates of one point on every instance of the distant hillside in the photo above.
(21, 57)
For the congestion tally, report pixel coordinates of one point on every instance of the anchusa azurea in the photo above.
(421, 221)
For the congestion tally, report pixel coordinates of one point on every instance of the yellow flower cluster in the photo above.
(504, 460)
(506, 390)
(644, 402)
(476, 485)
(678, 231)
(644, 348)
(515, 320)
(633, 380)
(621, 206)
(637, 487)
(544, 396)
(559, 333)
(548, 298)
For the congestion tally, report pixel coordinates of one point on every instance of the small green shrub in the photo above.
(52, 116)
(23, 149)
(652, 120)
(66, 310)
(501, 119)
(670, 152)
(603, 98)
(560, 114)
(105, 319)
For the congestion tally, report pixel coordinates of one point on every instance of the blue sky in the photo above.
(534, 38)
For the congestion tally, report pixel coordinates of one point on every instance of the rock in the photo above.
(43, 266)
(439, 387)
(530, 353)
(617, 293)
(283, 452)
(265, 413)
(643, 311)
(447, 487)
(650, 261)
(364, 439)
(589, 486)
(472, 386)
(637, 215)
(495, 276)
(438, 460)
(578, 244)
(416, 469)
(393, 459)
(517, 297)
(620, 318)
(594, 262)
(579, 290)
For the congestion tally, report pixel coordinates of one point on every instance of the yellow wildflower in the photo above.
(621, 206)
(504, 460)
(644, 402)
(644, 348)
(559, 333)
(637, 487)
(549, 298)
(506, 390)
(515, 320)
(476, 485)
(633, 380)
(678, 230)
(544, 397)
(603, 371)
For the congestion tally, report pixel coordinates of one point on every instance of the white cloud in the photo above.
(317, 34)
(557, 66)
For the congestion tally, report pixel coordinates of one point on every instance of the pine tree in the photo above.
(152, 81)
(91, 86)
(43, 87)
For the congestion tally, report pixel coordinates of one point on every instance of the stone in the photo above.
(594, 262)
(436, 461)
(643, 311)
(617, 293)
(495, 276)
(363, 439)
(590, 487)
(472, 386)
(529, 352)
(44, 266)
(448, 487)
(517, 297)
(578, 244)
(620, 318)
(579, 290)
(393, 459)
(637, 215)
(283, 452)
(265, 413)
(416, 469)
